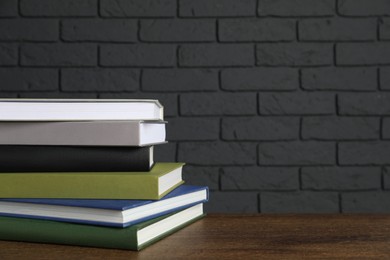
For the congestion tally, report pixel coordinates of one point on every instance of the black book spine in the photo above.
(25, 158)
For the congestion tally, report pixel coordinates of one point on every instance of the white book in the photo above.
(79, 109)
(83, 133)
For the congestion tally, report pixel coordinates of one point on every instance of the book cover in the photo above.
(119, 213)
(135, 237)
(36, 158)
(83, 133)
(79, 109)
(152, 185)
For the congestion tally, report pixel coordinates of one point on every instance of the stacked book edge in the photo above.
(82, 172)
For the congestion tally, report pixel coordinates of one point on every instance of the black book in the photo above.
(35, 158)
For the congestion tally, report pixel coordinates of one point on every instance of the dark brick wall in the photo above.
(276, 105)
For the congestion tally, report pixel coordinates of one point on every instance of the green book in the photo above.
(155, 184)
(135, 237)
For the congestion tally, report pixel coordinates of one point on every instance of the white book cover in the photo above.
(79, 109)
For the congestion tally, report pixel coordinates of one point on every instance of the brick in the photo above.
(167, 30)
(59, 55)
(217, 104)
(386, 128)
(364, 153)
(138, 8)
(370, 53)
(339, 79)
(294, 54)
(384, 29)
(364, 104)
(202, 176)
(341, 178)
(259, 178)
(165, 153)
(169, 101)
(216, 55)
(99, 30)
(363, 202)
(296, 7)
(98, 80)
(235, 30)
(297, 104)
(217, 8)
(386, 178)
(363, 7)
(8, 95)
(28, 30)
(177, 80)
(9, 8)
(299, 202)
(137, 55)
(297, 153)
(217, 153)
(189, 129)
(385, 78)
(232, 202)
(340, 128)
(260, 128)
(58, 7)
(16, 79)
(56, 95)
(339, 29)
(260, 79)
(8, 54)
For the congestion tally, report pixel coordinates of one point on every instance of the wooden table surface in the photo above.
(244, 237)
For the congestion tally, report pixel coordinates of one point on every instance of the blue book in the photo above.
(117, 213)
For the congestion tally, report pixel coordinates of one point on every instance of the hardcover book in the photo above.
(79, 109)
(152, 185)
(119, 213)
(83, 133)
(135, 237)
(27, 158)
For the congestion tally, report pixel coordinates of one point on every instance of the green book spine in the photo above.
(88, 185)
(52, 232)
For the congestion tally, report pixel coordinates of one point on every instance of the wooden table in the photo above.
(244, 237)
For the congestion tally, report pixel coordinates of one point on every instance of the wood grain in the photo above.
(246, 237)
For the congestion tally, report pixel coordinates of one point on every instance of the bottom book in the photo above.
(135, 237)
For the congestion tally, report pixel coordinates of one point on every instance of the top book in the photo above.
(79, 109)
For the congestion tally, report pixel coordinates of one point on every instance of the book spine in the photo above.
(74, 159)
(91, 133)
(89, 185)
(52, 232)
(44, 231)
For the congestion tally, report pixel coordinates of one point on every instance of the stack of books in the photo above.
(81, 172)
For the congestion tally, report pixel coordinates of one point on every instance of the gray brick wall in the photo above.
(278, 106)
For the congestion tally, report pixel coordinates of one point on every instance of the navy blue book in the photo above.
(117, 213)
